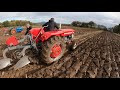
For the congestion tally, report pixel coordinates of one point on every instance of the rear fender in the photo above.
(45, 36)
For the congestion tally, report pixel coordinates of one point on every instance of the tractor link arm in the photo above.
(27, 36)
(24, 49)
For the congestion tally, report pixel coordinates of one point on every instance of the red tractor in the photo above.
(50, 46)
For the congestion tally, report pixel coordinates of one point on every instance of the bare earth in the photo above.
(97, 56)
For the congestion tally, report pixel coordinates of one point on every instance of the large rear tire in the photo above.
(53, 49)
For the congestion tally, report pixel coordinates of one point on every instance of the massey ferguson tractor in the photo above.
(50, 46)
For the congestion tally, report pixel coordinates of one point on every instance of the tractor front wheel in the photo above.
(53, 49)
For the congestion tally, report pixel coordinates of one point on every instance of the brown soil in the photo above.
(97, 56)
(87, 60)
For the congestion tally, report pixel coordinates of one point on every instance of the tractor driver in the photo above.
(51, 25)
(28, 28)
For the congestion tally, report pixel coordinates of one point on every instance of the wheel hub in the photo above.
(56, 51)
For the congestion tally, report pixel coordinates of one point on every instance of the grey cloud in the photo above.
(67, 17)
(46, 13)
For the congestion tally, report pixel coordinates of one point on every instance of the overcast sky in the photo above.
(108, 19)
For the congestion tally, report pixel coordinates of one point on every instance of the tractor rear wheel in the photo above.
(53, 49)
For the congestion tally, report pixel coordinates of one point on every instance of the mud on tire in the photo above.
(48, 45)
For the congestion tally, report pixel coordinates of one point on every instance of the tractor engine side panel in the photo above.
(62, 32)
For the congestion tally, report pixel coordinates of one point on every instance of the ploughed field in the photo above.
(96, 56)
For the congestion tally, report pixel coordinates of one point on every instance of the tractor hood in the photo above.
(61, 32)
(45, 35)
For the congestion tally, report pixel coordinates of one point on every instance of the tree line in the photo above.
(13, 23)
(116, 29)
(90, 24)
